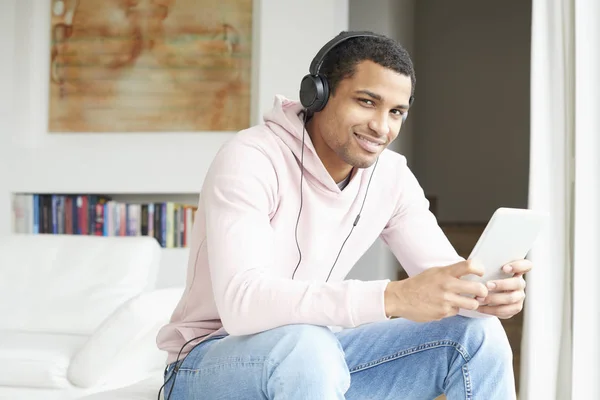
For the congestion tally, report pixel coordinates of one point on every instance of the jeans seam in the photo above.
(228, 363)
(422, 347)
(467, 380)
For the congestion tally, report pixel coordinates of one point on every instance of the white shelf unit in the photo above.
(173, 260)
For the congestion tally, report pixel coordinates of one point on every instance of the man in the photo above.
(283, 216)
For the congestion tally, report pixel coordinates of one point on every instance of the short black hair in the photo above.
(341, 61)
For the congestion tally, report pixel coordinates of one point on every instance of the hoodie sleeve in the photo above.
(251, 293)
(412, 233)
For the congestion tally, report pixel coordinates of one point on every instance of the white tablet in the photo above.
(509, 235)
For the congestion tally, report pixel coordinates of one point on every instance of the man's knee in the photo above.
(487, 337)
(314, 341)
(311, 353)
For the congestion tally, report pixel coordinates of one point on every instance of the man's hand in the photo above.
(506, 296)
(435, 293)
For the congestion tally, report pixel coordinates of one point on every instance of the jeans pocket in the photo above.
(194, 355)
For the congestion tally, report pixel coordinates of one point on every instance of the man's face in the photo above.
(362, 118)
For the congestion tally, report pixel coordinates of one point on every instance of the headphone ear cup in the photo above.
(314, 92)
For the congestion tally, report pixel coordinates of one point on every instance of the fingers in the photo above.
(460, 286)
(505, 298)
(508, 284)
(503, 311)
(466, 268)
(466, 303)
(518, 267)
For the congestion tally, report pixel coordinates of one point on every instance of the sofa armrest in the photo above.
(123, 348)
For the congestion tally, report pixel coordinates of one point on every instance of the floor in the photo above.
(463, 237)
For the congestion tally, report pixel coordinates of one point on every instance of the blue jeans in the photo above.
(465, 358)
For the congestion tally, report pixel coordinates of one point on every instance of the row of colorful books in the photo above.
(169, 222)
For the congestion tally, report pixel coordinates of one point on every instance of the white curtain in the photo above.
(560, 350)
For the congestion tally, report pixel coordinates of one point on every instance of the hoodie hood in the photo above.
(286, 120)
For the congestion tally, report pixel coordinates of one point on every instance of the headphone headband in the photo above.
(316, 63)
(314, 88)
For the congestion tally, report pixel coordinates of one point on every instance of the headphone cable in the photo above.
(176, 367)
(305, 118)
(355, 221)
(301, 203)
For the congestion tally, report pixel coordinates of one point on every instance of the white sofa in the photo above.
(143, 390)
(79, 315)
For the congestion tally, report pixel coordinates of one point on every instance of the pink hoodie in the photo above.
(243, 251)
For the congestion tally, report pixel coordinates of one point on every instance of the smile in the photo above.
(368, 144)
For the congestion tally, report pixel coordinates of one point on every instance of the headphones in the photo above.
(314, 88)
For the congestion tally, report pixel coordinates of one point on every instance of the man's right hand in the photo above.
(435, 293)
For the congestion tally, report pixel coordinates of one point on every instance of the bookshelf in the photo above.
(168, 217)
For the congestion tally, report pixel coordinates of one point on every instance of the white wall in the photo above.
(34, 161)
(75, 163)
(114, 163)
(7, 26)
(472, 105)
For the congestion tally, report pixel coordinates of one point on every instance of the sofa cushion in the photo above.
(123, 348)
(37, 360)
(70, 283)
(143, 390)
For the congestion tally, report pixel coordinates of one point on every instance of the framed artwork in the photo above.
(150, 65)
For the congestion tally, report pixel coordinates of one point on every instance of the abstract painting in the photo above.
(150, 65)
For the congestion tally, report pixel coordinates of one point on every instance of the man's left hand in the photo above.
(506, 296)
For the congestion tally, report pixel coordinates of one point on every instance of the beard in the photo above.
(353, 155)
